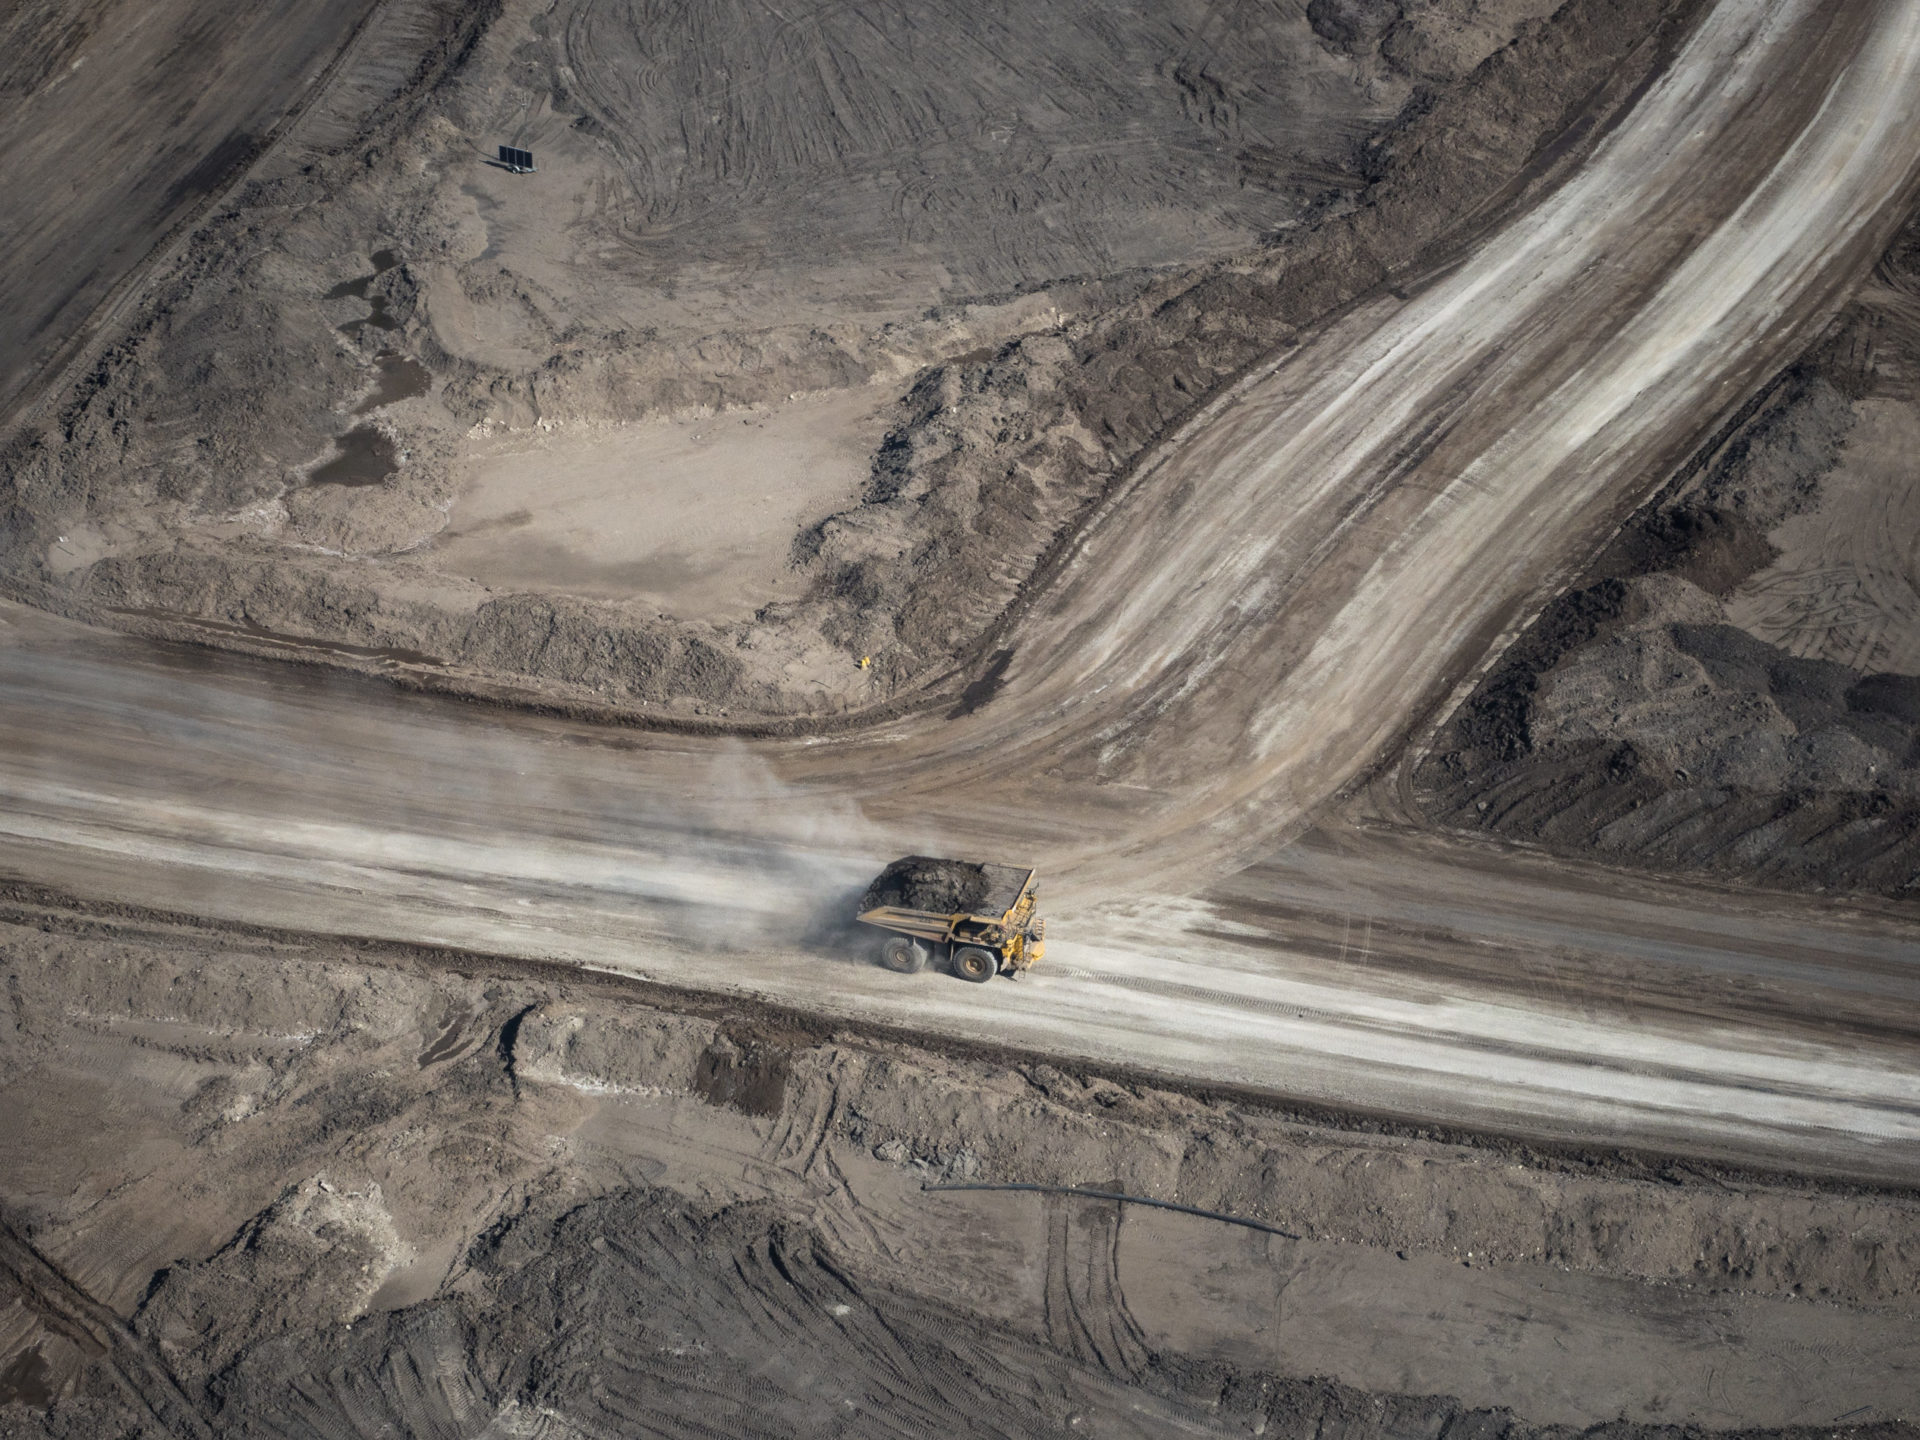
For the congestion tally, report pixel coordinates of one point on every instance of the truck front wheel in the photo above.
(970, 962)
(903, 955)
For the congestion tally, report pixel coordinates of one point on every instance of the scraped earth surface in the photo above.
(159, 106)
(696, 516)
(1029, 239)
(1150, 415)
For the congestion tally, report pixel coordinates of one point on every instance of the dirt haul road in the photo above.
(1301, 573)
(1267, 606)
(229, 788)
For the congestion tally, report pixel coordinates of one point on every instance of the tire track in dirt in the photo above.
(254, 75)
(70, 1312)
(906, 112)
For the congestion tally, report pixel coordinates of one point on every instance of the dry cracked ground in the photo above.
(769, 401)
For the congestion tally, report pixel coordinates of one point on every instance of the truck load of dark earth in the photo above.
(1405, 513)
(922, 882)
(981, 919)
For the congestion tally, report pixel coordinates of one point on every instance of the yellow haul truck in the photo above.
(981, 917)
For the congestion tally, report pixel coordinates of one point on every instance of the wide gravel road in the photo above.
(1376, 970)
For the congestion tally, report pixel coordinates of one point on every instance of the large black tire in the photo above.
(902, 955)
(970, 962)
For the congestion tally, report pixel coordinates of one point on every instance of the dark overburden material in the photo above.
(946, 887)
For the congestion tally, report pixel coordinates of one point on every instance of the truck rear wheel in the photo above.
(970, 962)
(905, 956)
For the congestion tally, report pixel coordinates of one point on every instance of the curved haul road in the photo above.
(1303, 572)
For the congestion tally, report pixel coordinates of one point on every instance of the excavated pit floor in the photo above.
(697, 516)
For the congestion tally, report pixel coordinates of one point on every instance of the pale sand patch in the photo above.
(697, 516)
(1847, 584)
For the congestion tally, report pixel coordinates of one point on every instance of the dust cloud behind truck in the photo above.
(980, 918)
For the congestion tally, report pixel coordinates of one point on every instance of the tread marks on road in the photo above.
(1086, 1314)
(69, 1311)
(1623, 1064)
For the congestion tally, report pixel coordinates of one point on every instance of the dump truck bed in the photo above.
(934, 886)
